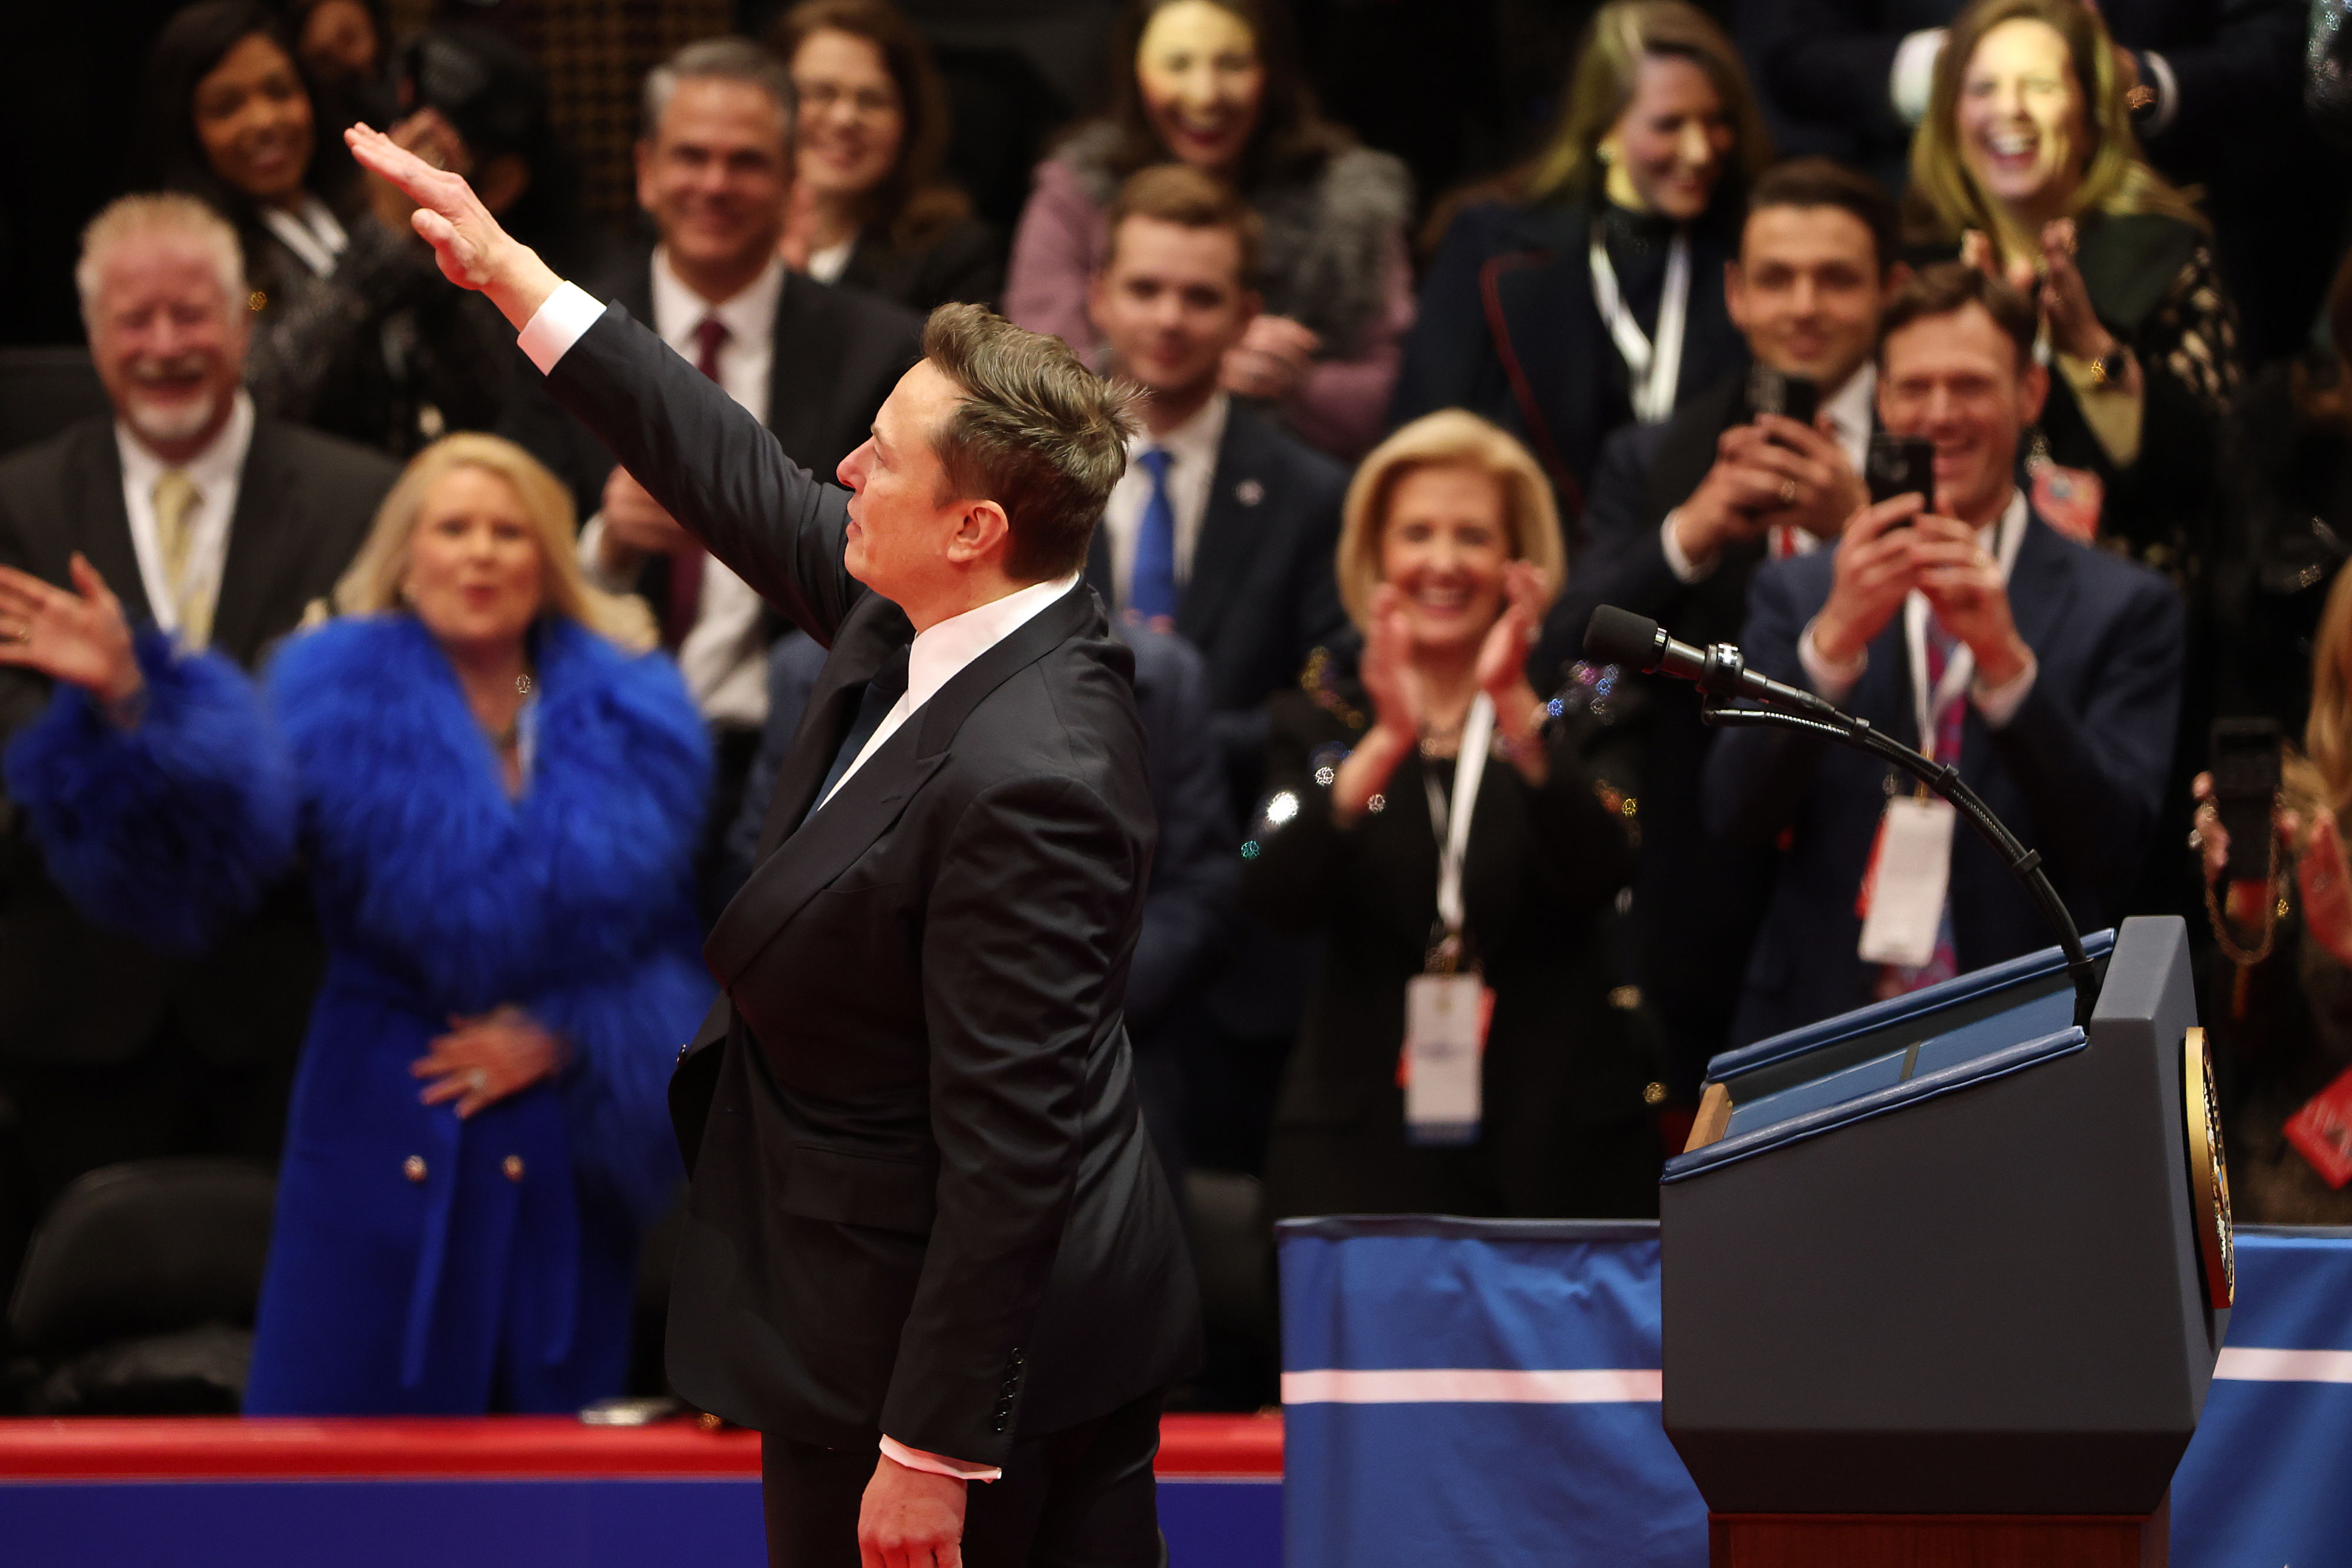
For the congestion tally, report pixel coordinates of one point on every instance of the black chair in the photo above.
(138, 1292)
(44, 389)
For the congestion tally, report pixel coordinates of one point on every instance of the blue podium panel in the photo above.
(1477, 1390)
(2267, 1481)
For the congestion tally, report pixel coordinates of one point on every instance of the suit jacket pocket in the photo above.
(859, 1189)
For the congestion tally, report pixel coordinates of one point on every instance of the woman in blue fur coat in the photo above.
(496, 801)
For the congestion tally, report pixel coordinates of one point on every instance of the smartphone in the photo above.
(2246, 753)
(1899, 465)
(1791, 397)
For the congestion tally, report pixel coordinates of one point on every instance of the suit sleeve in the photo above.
(2093, 770)
(1757, 777)
(717, 469)
(1026, 926)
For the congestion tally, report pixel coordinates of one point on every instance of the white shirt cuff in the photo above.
(1831, 682)
(937, 1464)
(1914, 76)
(1684, 569)
(2157, 73)
(557, 324)
(1999, 704)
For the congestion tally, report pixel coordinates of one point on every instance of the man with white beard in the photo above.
(218, 525)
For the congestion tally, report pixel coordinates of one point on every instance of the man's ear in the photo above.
(2032, 391)
(1735, 293)
(981, 531)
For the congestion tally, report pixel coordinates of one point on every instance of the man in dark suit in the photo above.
(925, 1215)
(220, 525)
(1966, 625)
(810, 361)
(1222, 530)
(1682, 512)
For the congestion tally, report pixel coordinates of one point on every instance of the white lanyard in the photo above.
(1960, 667)
(1454, 825)
(1654, 368)
(316, 236)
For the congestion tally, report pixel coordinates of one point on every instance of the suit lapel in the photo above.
(1232, 529)
(267, 522)
(96, 470)
(2040, 595)
(846, 826)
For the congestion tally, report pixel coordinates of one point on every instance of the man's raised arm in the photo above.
(703, 457)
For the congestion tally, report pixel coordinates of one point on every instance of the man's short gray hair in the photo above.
(732, 59)
(129, 218)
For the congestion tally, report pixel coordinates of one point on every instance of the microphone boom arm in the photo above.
(1831, 723)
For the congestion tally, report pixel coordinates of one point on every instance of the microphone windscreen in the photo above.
(1617, 636)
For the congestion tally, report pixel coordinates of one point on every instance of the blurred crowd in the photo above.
(1981, 366)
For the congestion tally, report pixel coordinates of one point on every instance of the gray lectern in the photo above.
(1945, 1278)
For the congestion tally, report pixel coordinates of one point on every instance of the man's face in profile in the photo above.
(901, 516)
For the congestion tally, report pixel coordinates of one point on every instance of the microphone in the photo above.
(1620, 637)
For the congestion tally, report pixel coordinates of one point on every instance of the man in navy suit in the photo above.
(1222, 531)
(1968, 626)
(1681, 514)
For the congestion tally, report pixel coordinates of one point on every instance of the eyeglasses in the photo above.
(866, 103)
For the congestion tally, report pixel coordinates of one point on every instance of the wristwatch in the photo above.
(2108, 368)
(2141, 102)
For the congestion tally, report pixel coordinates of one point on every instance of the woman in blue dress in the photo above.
(495, 796)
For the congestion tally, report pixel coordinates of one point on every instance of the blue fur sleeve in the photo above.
(173, 828)
(624, 1036)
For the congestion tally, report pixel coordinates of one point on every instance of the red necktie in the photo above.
(686, 567)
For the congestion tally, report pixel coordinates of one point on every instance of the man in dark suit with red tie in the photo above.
(925, 1216)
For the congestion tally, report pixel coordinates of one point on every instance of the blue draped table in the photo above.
(1488, 1391)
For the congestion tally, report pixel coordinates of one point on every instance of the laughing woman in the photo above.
(496, 798)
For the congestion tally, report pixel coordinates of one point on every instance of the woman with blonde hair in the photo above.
(1591, 293)
(496, 795)
(2027, 164)
(1433, 818)
(2281, 1003)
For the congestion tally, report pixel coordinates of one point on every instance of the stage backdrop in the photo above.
(1488, 1391)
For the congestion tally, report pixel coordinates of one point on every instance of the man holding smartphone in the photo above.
(1680, 514)
(1965, 624)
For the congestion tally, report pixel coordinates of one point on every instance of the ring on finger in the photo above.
(18, 631)
(1787, 492)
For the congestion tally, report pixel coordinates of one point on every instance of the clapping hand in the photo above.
(1272, 357)
(2055, 287)
(483, 1060)
(80, 639)
(1390, 680)
(1502, 668)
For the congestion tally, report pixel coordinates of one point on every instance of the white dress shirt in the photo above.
(826, 266)
(1850, 411)
(216, 472)
(1998, 705)
(723, 658)
(1192, 449)
(939, 653)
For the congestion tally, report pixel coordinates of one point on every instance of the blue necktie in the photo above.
(1151, 590)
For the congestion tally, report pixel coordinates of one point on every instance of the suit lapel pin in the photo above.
(1249, 492)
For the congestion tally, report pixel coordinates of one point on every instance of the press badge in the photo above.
(1903, 893)
(1445, 1018)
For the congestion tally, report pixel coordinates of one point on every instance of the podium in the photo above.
(1945, 1278)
